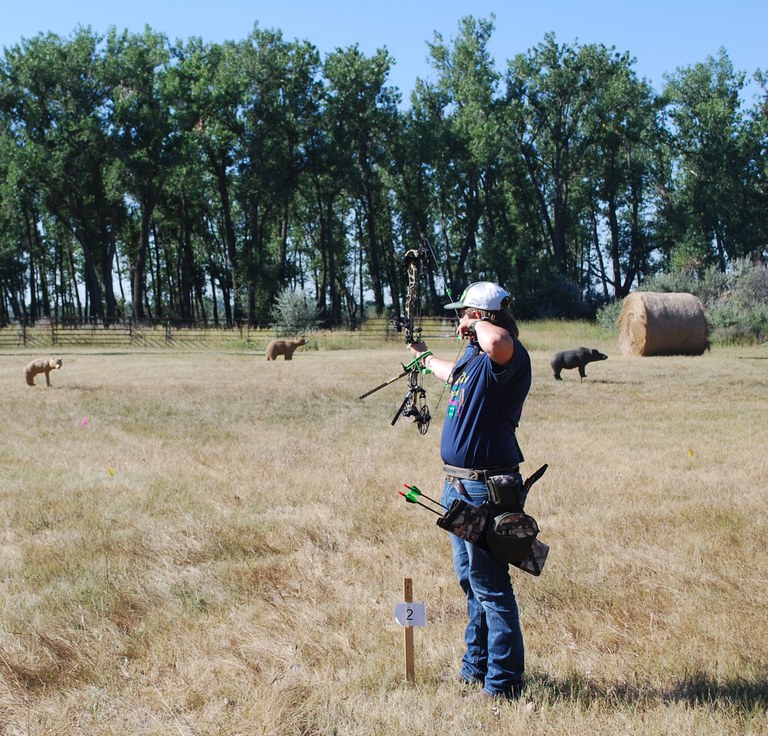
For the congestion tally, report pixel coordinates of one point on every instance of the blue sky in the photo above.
(662, 36)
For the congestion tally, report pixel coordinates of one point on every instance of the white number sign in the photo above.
(411, 614)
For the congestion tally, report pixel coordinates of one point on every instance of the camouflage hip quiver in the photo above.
(501, 526)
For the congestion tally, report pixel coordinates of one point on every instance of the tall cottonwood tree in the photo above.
(758, 137)
(56, 102)
(146, 143)
(715, 177)
(322, 208)
(17, 205)
(580, 134)
(622, 175)
(210, 88)
(360, 113)
(463, 107)
(411, 183)
(278, 112)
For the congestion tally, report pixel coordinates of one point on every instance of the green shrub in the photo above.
(293, 313)
(740, 315)
(708, 286)
(608, 315)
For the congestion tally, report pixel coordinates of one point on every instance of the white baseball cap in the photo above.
(483, 295)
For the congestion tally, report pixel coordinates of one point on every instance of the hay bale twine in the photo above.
(654, 323)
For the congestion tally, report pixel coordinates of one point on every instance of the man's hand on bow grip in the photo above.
(417, 348)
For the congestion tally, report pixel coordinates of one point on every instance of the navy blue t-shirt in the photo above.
(484, 410)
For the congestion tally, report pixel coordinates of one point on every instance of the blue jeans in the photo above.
(495, 654)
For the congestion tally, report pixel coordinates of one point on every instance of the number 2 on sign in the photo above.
(411, 614)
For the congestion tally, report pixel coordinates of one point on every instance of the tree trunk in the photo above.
(94, 304)
(231, 242)
(187, 261)
(139, 270)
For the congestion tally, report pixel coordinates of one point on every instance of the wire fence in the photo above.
(130, 336)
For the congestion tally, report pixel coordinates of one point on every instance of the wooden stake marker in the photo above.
(408, 633)
(409, 614)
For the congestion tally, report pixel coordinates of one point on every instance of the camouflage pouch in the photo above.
(506, 492)
(466, 521)
(510, 536)
(534, 562)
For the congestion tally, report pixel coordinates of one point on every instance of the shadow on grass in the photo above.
(701, 688)
(696, 689)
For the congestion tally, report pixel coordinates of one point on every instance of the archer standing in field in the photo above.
(488, 385)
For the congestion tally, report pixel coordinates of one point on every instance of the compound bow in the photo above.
(414, 404)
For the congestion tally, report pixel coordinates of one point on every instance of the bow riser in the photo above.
(414, 404)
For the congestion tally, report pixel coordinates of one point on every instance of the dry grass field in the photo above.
(207, 543)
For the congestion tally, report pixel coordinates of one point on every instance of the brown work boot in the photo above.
(483, 696)
(456, 678)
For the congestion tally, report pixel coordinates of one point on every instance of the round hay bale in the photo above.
(654, 323)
